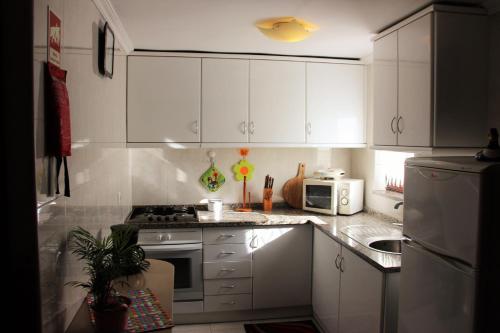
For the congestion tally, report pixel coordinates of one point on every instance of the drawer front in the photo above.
(228, 302)
(227, 252)
(228, 286)
(227, 269)
(227, 235)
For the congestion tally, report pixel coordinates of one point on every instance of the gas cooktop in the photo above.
(168, 213)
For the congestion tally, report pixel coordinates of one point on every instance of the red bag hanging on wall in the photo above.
(58, 118)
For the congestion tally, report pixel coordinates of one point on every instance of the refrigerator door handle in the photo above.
(448, 261)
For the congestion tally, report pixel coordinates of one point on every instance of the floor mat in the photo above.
(306, 326)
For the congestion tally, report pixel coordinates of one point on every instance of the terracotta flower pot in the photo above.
(113, 319)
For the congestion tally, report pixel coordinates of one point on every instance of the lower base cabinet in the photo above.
(349, 295)
(361, 295)
(282, 266)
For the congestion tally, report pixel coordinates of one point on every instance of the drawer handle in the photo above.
(229, 287)
(228, 269)
(226, 252)
(228, 303)
(226, 236)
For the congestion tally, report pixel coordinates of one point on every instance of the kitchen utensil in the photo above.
(267, 197)
(292, 190)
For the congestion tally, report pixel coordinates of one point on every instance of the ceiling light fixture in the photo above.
(286, 29)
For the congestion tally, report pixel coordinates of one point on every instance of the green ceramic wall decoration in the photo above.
(212, 179)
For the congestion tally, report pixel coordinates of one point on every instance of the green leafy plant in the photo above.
(106, 259)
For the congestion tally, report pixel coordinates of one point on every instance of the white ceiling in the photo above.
(346, 26)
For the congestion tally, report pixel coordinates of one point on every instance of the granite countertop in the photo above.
(360, 226)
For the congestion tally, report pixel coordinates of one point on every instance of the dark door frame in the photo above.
(17, 166)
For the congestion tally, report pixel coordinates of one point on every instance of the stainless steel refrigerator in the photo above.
(449, 262)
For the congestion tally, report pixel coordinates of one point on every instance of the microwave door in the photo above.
(321, 198)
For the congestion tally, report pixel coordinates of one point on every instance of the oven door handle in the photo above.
(172, 248)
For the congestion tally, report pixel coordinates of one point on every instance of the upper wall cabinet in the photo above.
(277, 101)
(163, 97)
(385, 90)
(335, 103)
(430, 80)
(225, 100)
(194, 100)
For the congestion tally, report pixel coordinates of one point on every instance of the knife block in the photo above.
(267, 201)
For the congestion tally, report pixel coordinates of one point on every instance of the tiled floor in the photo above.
(234, 327)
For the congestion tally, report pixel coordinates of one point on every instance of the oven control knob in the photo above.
(344, 201)
(160, 237)
(158, 218)
(150, 218)
(169, 237)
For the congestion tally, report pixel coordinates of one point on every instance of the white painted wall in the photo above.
(171, 176)
(99, 165)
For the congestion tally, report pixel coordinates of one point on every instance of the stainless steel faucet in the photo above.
(396, 206)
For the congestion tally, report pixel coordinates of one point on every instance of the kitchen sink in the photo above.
(379, 238)
(386, 245)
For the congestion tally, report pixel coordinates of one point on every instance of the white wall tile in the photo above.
(171, 176)
(99, 165)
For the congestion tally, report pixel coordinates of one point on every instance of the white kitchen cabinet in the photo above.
(335, 103)
(361, 292)
(414, 80)
(430, 80)
(385, 90)
(348, 294)
(277, 101)
(225, 100)
(282, 266)
(326, 281)
(227, 269)
(163, 99)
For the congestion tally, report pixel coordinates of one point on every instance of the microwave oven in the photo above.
(333, 197)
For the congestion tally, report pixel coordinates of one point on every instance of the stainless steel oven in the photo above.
(183, 249)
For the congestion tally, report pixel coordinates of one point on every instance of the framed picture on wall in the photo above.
(106, 51)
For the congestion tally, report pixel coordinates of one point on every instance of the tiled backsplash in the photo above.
(171, 176)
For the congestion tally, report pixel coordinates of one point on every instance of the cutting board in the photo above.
(292, 190)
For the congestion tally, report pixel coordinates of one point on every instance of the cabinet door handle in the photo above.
(392, 125)
(342, 264)
(400, 129)
(337, 261)
(251, 127)
(253, 241)
(308, 129)
(244, 127)
(195, 127)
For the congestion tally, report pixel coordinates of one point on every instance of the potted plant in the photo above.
(106, 260)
